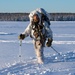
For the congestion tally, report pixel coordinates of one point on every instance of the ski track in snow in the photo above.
(30, 41)
(54, 65)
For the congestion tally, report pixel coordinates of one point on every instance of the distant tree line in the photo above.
(25, 17)
(14, 17)
(62, 16)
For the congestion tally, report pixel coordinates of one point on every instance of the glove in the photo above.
(21, 36)
(49, 42)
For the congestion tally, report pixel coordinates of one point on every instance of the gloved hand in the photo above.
(49, 42)
(22, 36)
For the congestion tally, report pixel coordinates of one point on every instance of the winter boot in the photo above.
(40, 60)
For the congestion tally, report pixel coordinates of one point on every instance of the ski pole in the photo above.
(20, 49)
(55, 50)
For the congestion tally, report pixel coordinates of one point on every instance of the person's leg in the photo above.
(39, 51)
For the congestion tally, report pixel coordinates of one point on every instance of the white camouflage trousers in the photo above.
(39, 49)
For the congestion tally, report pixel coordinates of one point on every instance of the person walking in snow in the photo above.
(39, 30)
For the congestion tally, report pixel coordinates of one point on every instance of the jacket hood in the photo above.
(32, 13)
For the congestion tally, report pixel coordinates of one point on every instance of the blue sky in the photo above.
(29, 5)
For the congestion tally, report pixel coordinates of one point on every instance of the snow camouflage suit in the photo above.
(39, 42)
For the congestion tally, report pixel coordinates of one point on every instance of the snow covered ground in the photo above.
(64, 42)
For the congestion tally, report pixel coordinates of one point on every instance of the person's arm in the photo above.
(27, 31)
(49, 32)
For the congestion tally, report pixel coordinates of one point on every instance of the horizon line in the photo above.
(29, 12)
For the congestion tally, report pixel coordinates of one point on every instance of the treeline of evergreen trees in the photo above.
(24, 16)
(62, 16)
(14, 16)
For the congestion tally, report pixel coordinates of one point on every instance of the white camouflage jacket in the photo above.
(46, 29)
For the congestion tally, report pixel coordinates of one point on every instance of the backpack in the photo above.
(44, 15)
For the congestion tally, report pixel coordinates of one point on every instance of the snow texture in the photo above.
(11, 63)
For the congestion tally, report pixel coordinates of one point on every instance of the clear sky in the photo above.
(29, 5)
